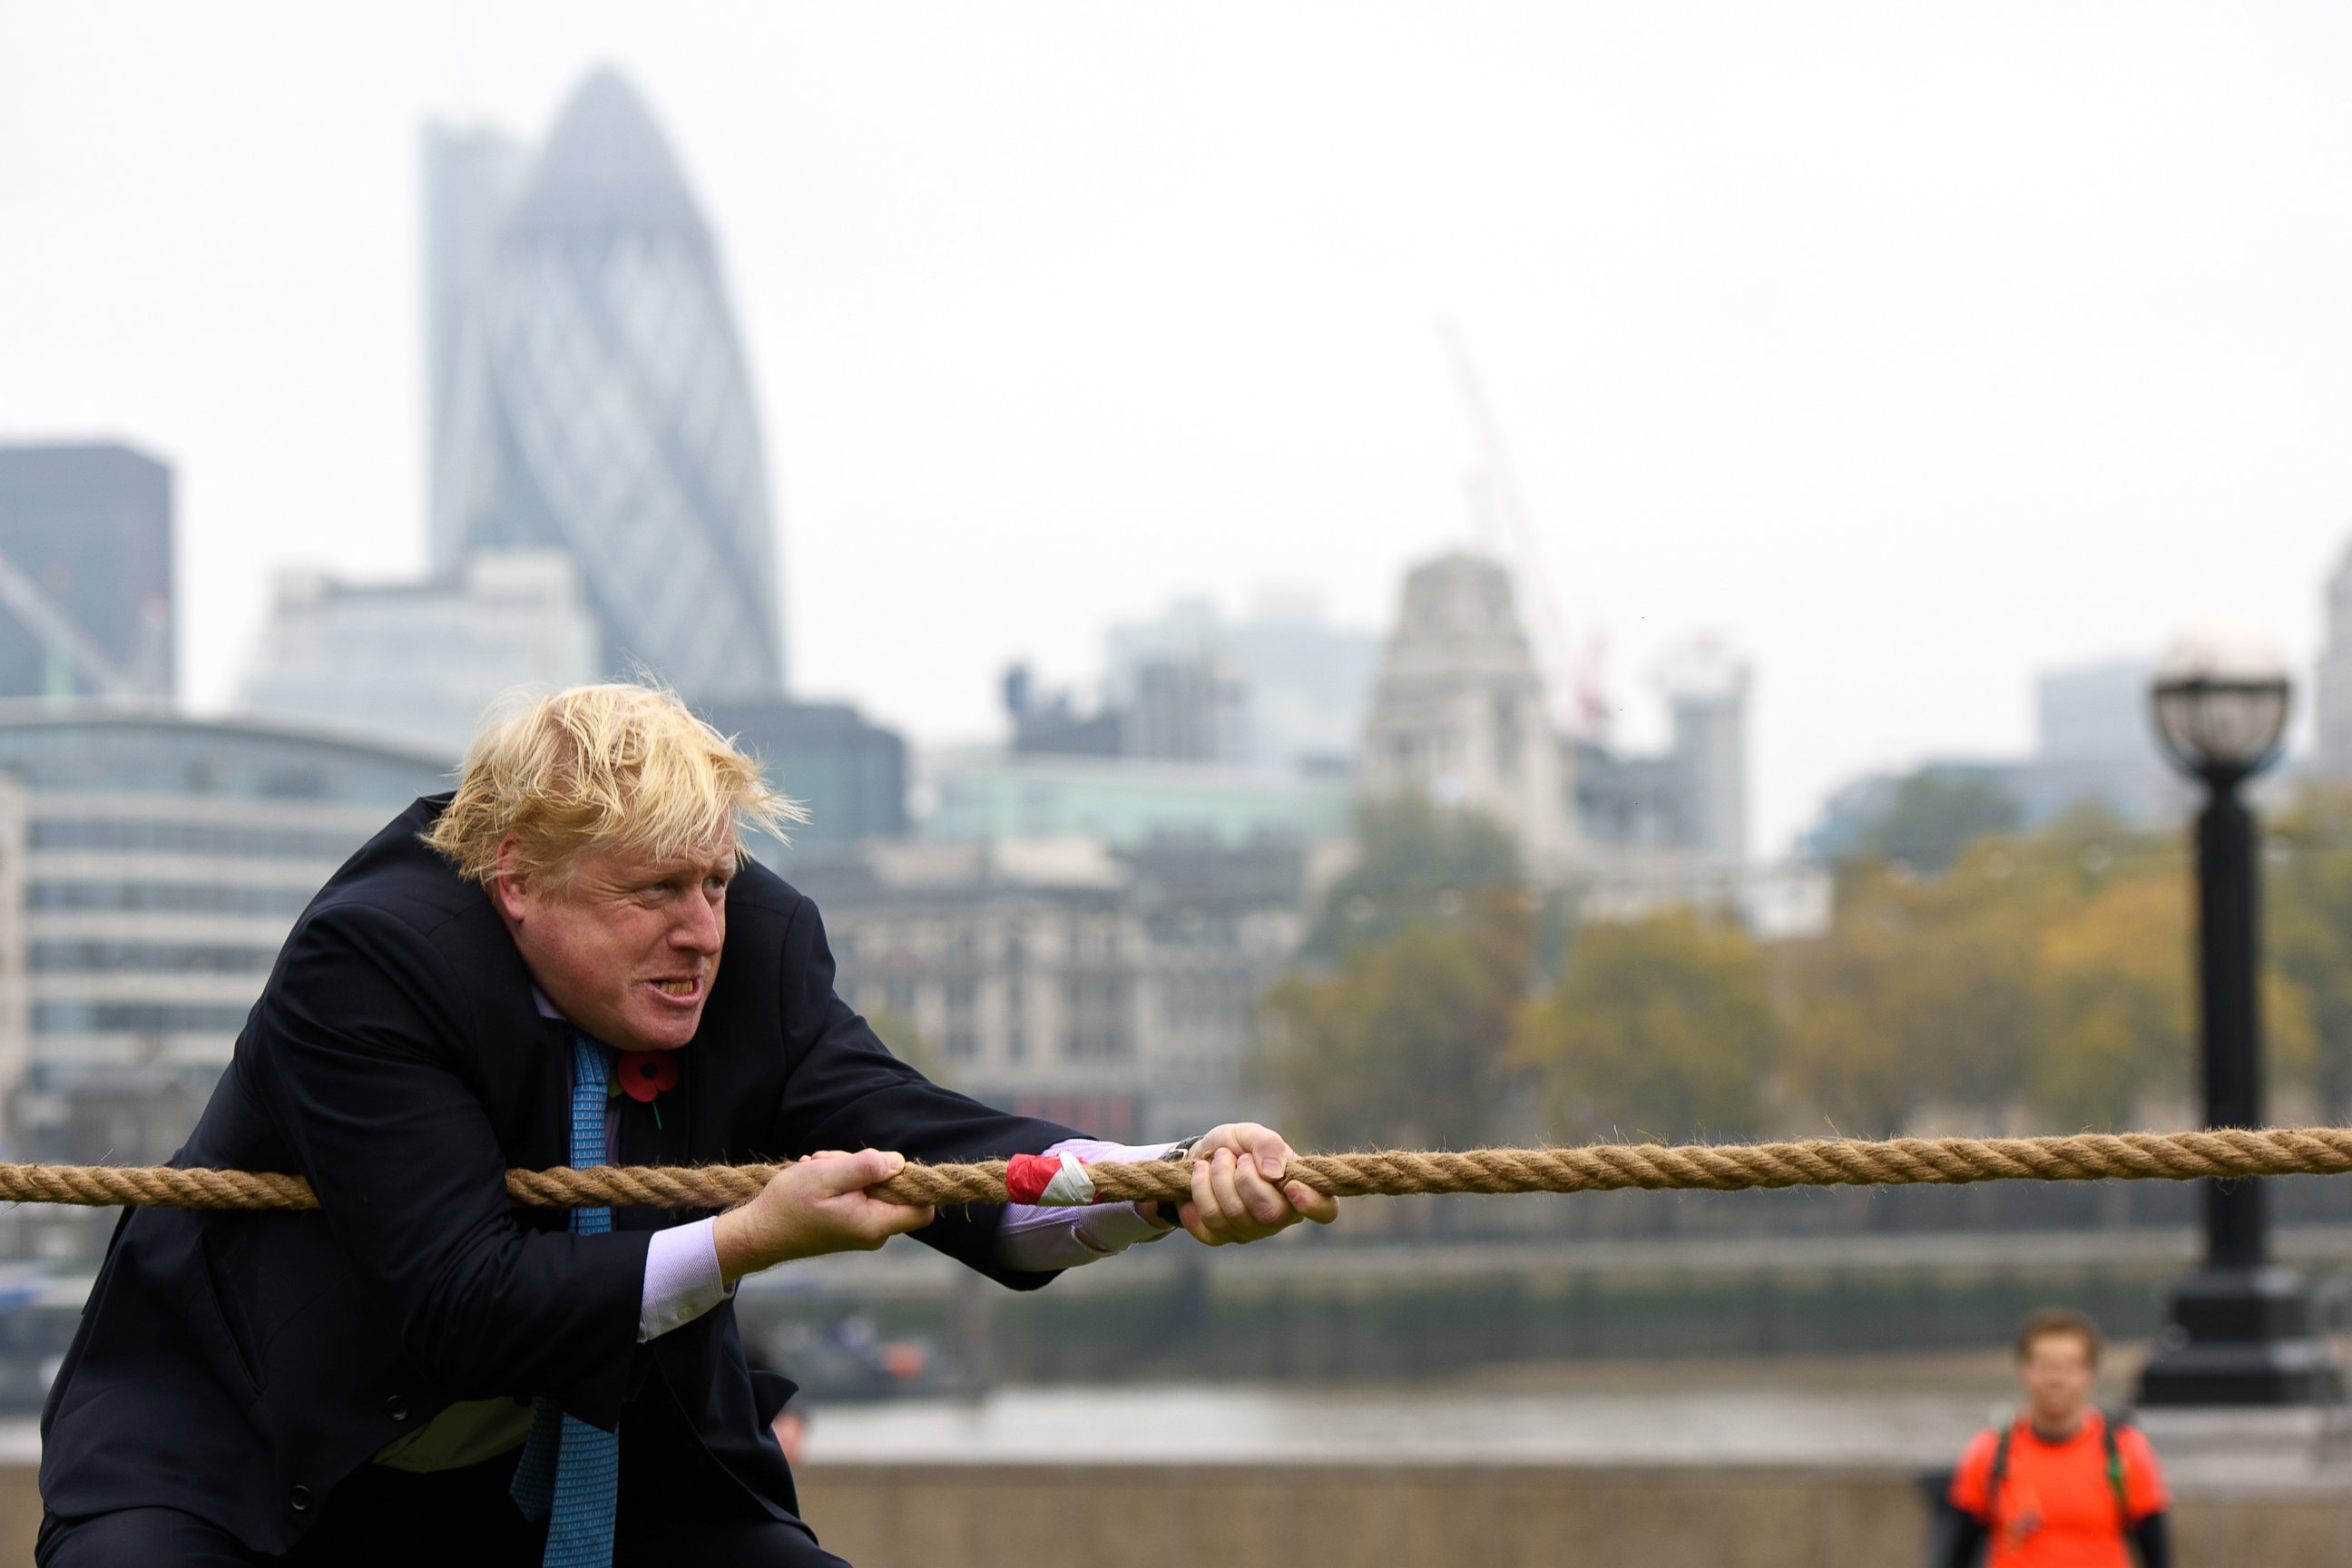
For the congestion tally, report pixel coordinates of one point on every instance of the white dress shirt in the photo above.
(682, 1279)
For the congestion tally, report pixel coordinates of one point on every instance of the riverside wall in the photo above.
(1514, 1516)
(986, 1516)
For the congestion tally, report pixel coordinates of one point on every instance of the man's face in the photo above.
(2057, 1376)
(628, 951)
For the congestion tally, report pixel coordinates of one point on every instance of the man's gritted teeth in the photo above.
(678, 990)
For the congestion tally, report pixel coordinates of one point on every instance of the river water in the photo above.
(1736, 1424)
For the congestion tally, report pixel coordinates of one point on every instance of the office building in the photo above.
(85, 573)
(1276, 687)
(983, 797)
(1053, 723)
(2094, 745)
(850, 775)
(1691, 799)
(601, 403)
(418, 662)
(1174, 708)
(150, 866)
(1117, 992)
(1625, 801)
(1187, 710)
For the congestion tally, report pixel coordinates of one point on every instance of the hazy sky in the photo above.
(1913, 349)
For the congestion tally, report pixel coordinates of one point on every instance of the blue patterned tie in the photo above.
(569, 1470)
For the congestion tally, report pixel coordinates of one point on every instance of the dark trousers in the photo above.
(676, 1506)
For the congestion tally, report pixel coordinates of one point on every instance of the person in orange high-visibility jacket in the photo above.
(2063, 1485)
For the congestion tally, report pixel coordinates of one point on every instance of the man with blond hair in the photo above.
(529, 973)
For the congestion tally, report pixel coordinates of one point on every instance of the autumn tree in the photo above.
(1415, 863)
(1393, 1026)
(2308, 883)
(1921, 993)
(1850, 1063)
(2044, 971)
(1661, 1027)
(1407, 1042)
(2114, 971)
(1936, 814)
(2048, 973)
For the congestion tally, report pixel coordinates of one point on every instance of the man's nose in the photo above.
(699, 929)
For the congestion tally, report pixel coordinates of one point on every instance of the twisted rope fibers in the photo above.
(1598, 1167)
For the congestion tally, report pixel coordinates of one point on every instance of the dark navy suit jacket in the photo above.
(238, 1366)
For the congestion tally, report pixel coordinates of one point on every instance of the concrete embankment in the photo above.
(1497, 1516)
(1026, 1516)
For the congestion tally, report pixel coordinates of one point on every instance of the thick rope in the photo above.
(1600, 1167)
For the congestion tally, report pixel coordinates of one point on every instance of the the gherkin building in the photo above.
(596, 398)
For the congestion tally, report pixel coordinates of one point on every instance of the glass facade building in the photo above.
(850, 775)
(86, 547)
(471, 174)
(600, 402)
(150, 866)
(1129, 803)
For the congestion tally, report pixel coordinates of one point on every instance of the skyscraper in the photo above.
(599, 402)
(84, 571)
(470, 177)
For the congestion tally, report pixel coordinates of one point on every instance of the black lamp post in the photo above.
(2240, 1330)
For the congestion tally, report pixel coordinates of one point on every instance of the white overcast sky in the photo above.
(1912, 348)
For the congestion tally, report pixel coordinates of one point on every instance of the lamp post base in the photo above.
(2241, 1336)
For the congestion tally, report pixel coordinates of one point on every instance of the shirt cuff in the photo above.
(682, 1278)
(1037, 1239)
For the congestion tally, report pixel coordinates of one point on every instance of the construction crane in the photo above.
(1498, 515)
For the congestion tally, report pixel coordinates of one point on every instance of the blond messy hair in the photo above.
(626, 767)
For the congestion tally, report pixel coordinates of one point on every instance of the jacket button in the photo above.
(299, 1499)
(396, 1407)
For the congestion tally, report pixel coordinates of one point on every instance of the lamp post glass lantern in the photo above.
(2240, 1328)
(2214, 724)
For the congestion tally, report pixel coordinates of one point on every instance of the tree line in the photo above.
(1985, 978)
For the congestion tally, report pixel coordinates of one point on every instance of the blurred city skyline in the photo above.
(1916, 356)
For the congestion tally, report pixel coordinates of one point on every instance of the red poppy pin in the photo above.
(641, 1075)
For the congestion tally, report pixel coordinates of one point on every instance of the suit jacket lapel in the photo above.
(526, 1067)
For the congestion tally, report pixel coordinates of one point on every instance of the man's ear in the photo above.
(509, 885)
